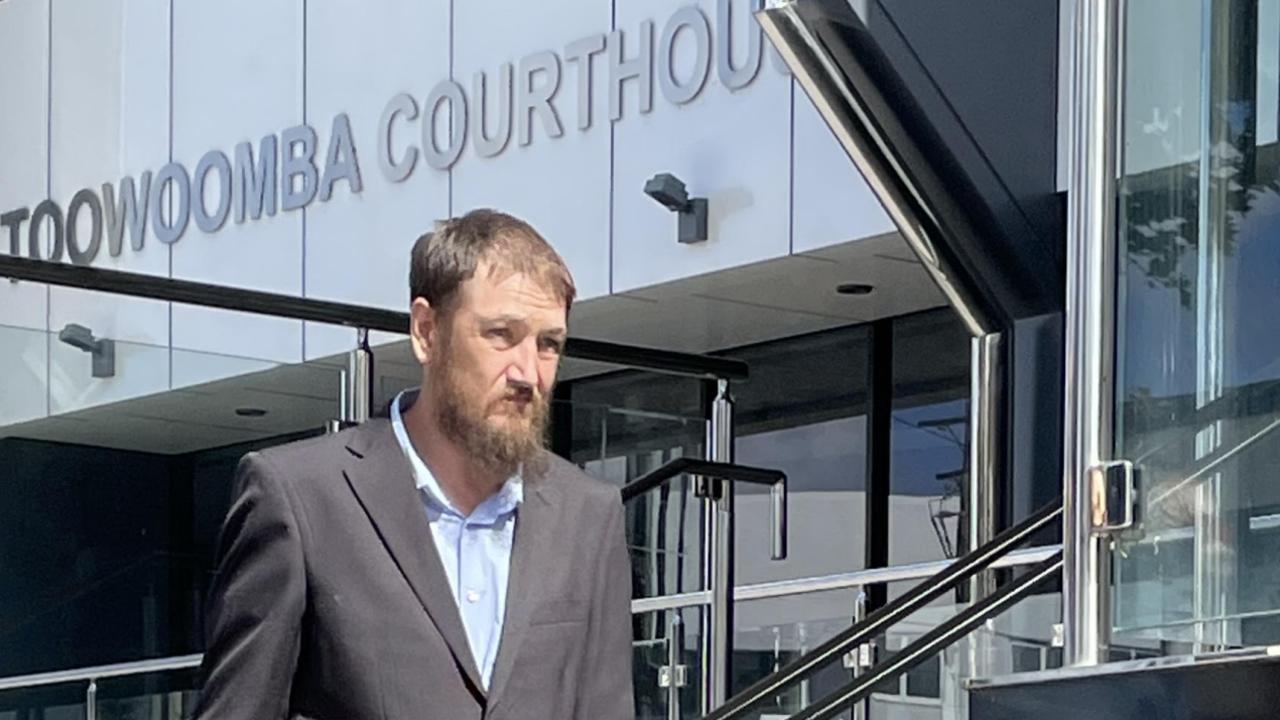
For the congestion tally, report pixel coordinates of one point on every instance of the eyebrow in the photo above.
(558, 332)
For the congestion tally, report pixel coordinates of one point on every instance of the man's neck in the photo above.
(464, 484)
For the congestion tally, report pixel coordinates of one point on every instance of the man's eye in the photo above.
(498, 334)
(553, 346)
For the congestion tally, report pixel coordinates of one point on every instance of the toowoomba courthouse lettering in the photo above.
(286, 171)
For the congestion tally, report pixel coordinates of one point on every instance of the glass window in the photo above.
(930, 438)
(620, 426)
(116, 482)
(1198, 397)
(803, 411)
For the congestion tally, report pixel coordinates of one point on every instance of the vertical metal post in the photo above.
(675, 664)
(864, 655)
(986, 405)
(1090, 325)
(359, 392)
(335, 424)
(1228, 171)
(1207, 591)
(717, 629)
(802, 643)
(91, 700)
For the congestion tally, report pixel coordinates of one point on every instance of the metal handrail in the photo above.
(99, 672)
(707, 471)
(891, 614)
(704, 468)
(837, 581)
(931, 643)
(1217, 460)
(189, 292)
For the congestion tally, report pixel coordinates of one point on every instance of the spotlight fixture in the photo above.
(103, 351)
(250, 412)
(670, 191)
(853, 288)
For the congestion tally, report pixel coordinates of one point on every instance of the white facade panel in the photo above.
(24, 365)
(24, 132)
(238, 77)
(551, 172)
(196, 368)
(360, 55)
(139, 370)
(832, 202)
(143, 87)
(326, 340)
(110, 120)
(732, 147)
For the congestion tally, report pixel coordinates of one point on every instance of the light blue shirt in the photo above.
(475, 550)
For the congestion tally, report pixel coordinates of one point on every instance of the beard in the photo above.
(499, 449)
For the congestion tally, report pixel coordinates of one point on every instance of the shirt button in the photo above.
(473, 596)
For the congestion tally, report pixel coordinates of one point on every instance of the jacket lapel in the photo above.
(382, 479)
(531, 560)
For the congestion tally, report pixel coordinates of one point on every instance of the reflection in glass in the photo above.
(1198, 354)
(1015, 641)
(771, 633)
(63, 701)
(167, 694)
(651, 663)
(664, 524)
(115, 489)
(929, 474)
(622, 426)
(803, 411)
(929, 468)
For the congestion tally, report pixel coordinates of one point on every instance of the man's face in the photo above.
(494, 365)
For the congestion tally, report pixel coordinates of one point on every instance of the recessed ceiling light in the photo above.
(854, 289)
(250, 412)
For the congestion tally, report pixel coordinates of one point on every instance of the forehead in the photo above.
(494, 289)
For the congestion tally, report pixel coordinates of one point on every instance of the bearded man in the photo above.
(438, 564)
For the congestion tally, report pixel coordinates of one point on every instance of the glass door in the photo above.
(1198, 352)
(619, 426)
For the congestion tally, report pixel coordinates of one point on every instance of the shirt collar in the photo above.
(504, 501)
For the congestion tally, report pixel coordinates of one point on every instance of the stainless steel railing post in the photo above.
(717, 551)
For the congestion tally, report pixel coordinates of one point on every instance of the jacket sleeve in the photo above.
(256, 603)
(606, 680)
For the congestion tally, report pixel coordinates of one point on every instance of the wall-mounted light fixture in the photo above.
(103, 351)
(670, 191)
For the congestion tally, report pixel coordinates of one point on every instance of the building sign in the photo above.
(290, 170)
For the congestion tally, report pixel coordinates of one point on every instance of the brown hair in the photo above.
(448, 256)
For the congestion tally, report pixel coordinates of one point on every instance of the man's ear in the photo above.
(424, 330)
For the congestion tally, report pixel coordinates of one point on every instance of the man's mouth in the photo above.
(522, 396)
(519, 402)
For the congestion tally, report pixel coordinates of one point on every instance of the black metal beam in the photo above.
(704, 468)
(190, 292)
(655, 360)
(879, 471)
(562, 420)
(903, 132)
(335, 313)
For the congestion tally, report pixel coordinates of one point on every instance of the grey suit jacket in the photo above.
(331, 601)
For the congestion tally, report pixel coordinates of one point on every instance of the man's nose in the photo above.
(524, 366)
(525, 389)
